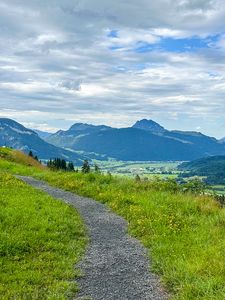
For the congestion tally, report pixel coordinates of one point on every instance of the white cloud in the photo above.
(56, 62)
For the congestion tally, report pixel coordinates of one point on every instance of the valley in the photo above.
(144, 169)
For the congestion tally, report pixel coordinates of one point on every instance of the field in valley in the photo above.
(146, 169)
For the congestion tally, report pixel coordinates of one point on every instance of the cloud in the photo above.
(71, 85)
(111, 62)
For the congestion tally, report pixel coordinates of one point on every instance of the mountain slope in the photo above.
(42, 134)
(145, 140)
(211, 167)
(15, 135)
(203, 166)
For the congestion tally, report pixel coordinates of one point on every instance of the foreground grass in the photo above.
(41, 240)
(185, 234)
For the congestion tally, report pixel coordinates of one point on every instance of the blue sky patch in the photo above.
(113, 34)
(183, 45)
(169, 44)
(143, 47)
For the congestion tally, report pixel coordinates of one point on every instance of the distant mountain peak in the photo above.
(84, 126)
(149, 125)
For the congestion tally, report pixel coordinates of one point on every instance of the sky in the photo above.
(113, 62)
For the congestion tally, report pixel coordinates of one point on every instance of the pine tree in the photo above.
(70, 166)
(86, 167)
(97, 169)
(63, 164)
(30, 154)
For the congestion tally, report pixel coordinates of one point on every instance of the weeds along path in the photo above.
(116, 266)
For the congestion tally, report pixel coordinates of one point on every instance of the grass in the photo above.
(41, 240)
(185, 233)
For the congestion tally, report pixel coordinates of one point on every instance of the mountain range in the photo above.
(146, 140)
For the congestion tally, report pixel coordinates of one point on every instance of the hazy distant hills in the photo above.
(205, 165)
(145, 140)
(42, 134)
(211, 167)
(15, 135)
(222, 140)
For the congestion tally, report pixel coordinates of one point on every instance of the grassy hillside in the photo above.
(41, 240)
(184, 232)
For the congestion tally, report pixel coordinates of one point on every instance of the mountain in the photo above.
(222, 141)
(149, 125)
(15, 135)
(42, 134)
(145, 140)
(70, 137)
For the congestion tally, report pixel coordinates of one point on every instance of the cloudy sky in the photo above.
(113, 62)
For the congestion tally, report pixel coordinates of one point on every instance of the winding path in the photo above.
(116, 266)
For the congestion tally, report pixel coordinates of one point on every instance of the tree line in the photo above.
(61, 164)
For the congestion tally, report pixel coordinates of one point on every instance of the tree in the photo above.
(63, 164)
(196, 186)
(30, 154)
(70, 166)
(86, 167)
(97, 169)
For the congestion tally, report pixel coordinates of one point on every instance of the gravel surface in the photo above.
(116, 266)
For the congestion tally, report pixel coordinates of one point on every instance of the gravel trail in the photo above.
(115, 266)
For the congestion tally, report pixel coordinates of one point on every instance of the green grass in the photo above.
(41, 239)
(185, 233)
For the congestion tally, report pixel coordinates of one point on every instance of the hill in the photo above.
(145, 140)
(19, 157)
(15, 135)
(211, 167)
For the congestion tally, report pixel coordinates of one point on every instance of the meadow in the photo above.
(183, 231)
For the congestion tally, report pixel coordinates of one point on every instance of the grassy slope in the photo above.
(184, 233)
(41, 240)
